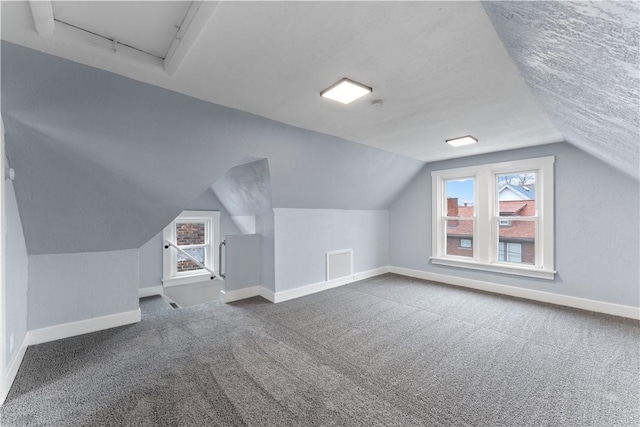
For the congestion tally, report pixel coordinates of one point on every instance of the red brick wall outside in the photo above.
(189, 234)
(187, 265)
(521, 232)
(528, 253)
(453, 247)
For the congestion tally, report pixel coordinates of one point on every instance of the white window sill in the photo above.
(518, 270)
(186, 280)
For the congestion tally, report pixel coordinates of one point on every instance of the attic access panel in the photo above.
(150, 27)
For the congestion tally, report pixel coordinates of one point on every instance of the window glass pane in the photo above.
(460, 238)
(184, 263)
(514, 252)
(459, 195)
(517, 242)
(190, 233)
(516, 194)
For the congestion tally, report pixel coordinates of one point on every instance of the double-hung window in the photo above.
(496, 217)
(197, 233)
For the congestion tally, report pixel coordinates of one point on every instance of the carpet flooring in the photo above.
(387, 351)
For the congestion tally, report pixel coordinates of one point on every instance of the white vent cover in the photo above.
(339, 264)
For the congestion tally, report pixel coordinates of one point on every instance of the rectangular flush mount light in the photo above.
(346, 91)
(463, 140)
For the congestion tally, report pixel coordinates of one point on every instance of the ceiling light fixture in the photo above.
(346, 91)
(463, 140)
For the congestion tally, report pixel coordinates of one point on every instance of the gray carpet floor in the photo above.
(387, 351)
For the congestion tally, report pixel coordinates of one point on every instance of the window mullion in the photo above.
(483, 211)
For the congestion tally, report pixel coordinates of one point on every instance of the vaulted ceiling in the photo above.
(582, 61)
(512, 74)
(440, 69)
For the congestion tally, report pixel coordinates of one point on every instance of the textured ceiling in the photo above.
(439, 68)
(582, 62)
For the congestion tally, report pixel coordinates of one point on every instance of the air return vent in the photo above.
(339, 264)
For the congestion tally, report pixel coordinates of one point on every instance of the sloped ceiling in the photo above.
(582, 60)
(439, 68)
(245, 189)
(104, 162)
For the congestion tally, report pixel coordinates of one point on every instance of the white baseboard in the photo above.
(238, 294)
(548, 297)
(267, 294)
(14, 365)
(66, 330)
(252, 291)
(150, 291)
(329, 284)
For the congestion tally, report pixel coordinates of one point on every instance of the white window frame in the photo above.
(486, 217)
(170, 274)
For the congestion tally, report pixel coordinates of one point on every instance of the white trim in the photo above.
(12, 370)
(42, 12)
(339, 252)
(186, 280)
(71, 329)
(98, 45)
(3, 291)
(267, 294)
(548, 297)
(211, 219)
(328, 284)
(253, 291)
(238, 294)
(194, 23)
(485, 218)
(192, 26)
(516, 269)
(150, 291)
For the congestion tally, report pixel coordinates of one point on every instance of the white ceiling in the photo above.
(146, 26)
(439, 68)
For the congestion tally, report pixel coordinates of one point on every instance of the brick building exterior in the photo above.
(191, 233)
(517, 238)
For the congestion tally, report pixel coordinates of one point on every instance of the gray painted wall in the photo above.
(245, 189)
(597, 227)
(71, 287)
(103, 156)
(265, 229)
(150, 254)
(303, 236)
(16, 274)
(242, 265)
(150, 259)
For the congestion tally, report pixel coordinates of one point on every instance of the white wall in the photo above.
(72, 287)
(303, 236)
(597, 223)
